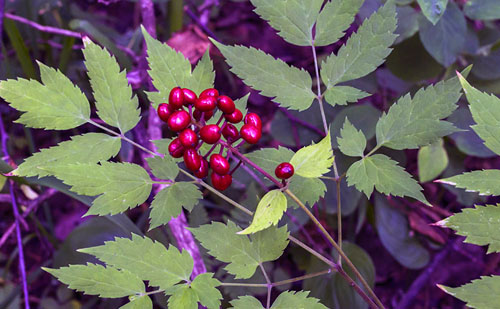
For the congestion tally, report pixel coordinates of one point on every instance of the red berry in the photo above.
(284, 170)
(230, 132)
(210, 134)
(250, 133)
(188, 138)
(178, 121)
(206, 104)
(189, 96)
(221, 182)
(192, 159)
(202, 172)
(164, 111)
(253, 119)
(197, 115)
(234, 117)
(210, 92)
(219, 164)
(176, 98)
(175, 148)
(226, 104)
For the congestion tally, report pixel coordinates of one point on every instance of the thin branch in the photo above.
(269, 286)
(318, 85)
(42, 28)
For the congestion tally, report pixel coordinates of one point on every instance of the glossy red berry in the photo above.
(192, 159)
(230, 132)
(250, 133)
(226, 104)
(221, 182)
(164, 111)
(210, 92)
(202, 172)
(207, 115)
(175, 148)
(188, 138)
(219, 164)
(253, 119)
(234, 117)
(210, 134)
(189, 96)
(176, 98)
(178, 121)
(205, 104)
(284, 170)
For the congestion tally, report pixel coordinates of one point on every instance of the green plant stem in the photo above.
(339, 218)
(269, 286)
(318, 84)
(250, 285)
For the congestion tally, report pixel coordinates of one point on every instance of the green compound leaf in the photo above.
(432, 161)
(92, 279)
(482, 9)
(315, 160)
(138, 302)
(287, 85)
(243, 253)
(269, 211)
(115, 103)
(293, 19)
(335, 17)
(182, 296)
(383, 174)
(204, 286)
(148, 259)
(480, 293)
(341, 95)
(203, 74)
(56, 104)
(168, 203)
(292, 299)
(120, 186)
(433, 9)
(364, 50)
(86, 148)
(485, 182)
(479, 225)
(163, 167)
(246, 302)
(352, 142)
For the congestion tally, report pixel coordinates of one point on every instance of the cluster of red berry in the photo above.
(193, 130)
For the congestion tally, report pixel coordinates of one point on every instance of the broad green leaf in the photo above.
(287, 85)
(433, 9)
(246, 302)
(120, 186)
(56, 104)
(148, 259)
(292, 299)
(203, 74)
(243, 254)
(364, 50)
(385, 175)
(363, 117)
(163, 167)
(480, 293)
(168, 203)
(204, 286)
(479, 225)
(335, 17)
(182, 296)
(432, 161)
(269, 211)
(115, 103)
(482, 9)
(486, 182)
(86, 148)
(162, 145)
(138, 302)
(485, 109)
(315, 160)
(341, 95)
(93, 279)
(293, 19)
(352, 142)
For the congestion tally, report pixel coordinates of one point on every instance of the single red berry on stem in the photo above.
(230, 132)
(192, 159)
(284, 170)
(210, 92)
(205, 104)
(250, 133)
(178, 121)
(188, 138)
(189, 96)
(202, 172)
(164, 111)
(221, 182)
(226, 104)
(219, 164)
(253, 119)
(210, 134)
(234, 117)
(175, 148)
(176, 98)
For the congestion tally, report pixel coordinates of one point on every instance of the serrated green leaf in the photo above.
(293, 19)
(432, 161)
(287, 85)
(138, 302)
(168, 203)
(433, 9)
(120, 186)
(485, 182)
(204, 286)
(269, 211)
(92, 279)
(352, 142)
(292, 299)
(384, 174)
(56, 104)
(86, 148)
(315, 160)
(182, 296)
(341, 95)
(148, 259)
(163, 167)
(364, 50)
(246, 302)
(480, 293)
(482, 9)
(162, 145)
(203, 74)
(335, 18)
